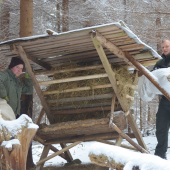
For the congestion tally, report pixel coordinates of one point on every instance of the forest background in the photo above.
(148, 19)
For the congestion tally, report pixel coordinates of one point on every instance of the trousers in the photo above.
(162, 127)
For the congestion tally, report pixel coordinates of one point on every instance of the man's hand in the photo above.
(6, 98)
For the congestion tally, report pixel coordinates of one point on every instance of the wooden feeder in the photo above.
(101, 46)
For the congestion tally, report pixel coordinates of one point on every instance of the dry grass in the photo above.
(121, 73)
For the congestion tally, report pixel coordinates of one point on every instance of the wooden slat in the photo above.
(86, 110)
(77, 89)
(93, 97)
(48, 73)
(73, 79)
(36, 85)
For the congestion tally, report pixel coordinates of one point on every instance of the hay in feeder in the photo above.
(123, 76)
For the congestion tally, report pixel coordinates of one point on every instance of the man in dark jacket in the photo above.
(11, 87)
(163, 114)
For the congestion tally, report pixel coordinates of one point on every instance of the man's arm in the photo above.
(28, 85)
(3, 78)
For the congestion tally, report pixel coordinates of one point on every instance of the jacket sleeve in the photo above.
(27, 86)
(3, 78)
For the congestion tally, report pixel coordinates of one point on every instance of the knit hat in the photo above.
(15, 61)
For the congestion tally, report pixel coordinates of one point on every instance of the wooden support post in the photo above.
(119, 140)
(147, 74)
(57, 153)
(109, 71)
(98, 39)
(138, 147)
(40, 116)
(23, 55)
(44, 155)
(37, 138)
(68, 155)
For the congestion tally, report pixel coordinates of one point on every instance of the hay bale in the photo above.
(121, 73)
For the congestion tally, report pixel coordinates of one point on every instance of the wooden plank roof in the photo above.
(48, 51)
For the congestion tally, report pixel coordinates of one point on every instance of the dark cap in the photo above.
(15, 61)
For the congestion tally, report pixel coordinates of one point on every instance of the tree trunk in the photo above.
(26, 18)
(14, 143)
(65, 25)
(5, 18)
(26, 29)
(158, 35)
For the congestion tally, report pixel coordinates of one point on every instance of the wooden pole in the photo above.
(147, 73)
(36, 85)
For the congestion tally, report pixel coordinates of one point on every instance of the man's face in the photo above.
(17, 70)
(165, 47)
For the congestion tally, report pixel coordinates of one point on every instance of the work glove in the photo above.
(26, 75)
(6, 98)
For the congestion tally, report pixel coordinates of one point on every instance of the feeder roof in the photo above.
(53, 49)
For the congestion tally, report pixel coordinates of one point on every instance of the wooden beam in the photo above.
(135, 129)
(93, 137)
(14, 50)
(68, 155)
(138, 147)
(106, 43)
(109, 71)
(43, 155)
(93, 97)
(52, 72)
(86, 110)
(57, 153)
(40, 116)
(23, 55)
(86, 88)
(98, 40)
(73, 79)
(147, 73)
(38, 139)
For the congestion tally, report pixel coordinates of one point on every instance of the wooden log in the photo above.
(106, 161)
(81, 127)
(14, 150)
(73, 79)
(68, 155)
(84, 138)
(57, 153)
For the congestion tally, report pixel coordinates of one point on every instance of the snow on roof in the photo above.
(130, 158)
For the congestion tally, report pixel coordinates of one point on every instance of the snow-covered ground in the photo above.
(82, 150)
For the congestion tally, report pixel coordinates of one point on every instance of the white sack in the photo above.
(6, 110)
(147, 90)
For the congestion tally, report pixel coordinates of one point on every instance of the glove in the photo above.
(6, 98)
(26, 75)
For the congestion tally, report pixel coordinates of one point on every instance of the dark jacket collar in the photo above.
(166, 56)
(11, 73)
